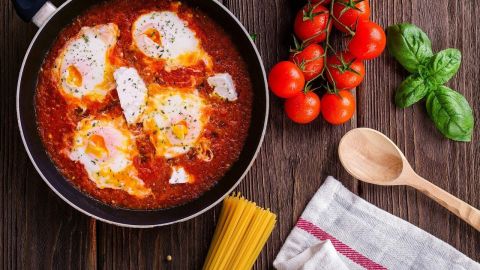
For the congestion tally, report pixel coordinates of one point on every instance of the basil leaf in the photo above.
(451, 114)
(410, 91)
(442, 67)
(409, 45)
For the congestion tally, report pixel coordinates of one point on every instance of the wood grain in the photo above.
(41, 231)
(449, 165)
(38, 229)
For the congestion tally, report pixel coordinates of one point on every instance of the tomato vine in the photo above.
(321, 65)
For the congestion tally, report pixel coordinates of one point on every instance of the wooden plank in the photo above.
(38, 229)
(450, 165)
(187, 243)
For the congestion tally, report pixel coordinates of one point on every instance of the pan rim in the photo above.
(128, 225)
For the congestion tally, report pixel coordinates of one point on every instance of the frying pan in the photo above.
(50, 21)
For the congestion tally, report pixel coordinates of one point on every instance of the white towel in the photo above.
(339, 230)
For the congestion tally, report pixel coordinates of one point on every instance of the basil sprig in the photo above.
(449, 110)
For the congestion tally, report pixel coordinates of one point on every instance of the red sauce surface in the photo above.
(226, 129)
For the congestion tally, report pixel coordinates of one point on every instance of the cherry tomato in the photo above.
(348, 13)
(303, 108)
(311, 23)
(368, 42)
(338, 109)
(310, 60)
(344, 71)
(322, 2)
(286, 79)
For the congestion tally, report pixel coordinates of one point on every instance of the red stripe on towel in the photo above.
(342, 248)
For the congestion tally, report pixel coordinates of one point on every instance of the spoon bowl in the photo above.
(371, 157)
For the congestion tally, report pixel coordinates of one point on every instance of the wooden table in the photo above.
(39, 230)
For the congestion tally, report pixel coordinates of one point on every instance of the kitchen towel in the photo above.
(339, 230)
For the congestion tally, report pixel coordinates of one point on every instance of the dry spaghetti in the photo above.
(242, 230)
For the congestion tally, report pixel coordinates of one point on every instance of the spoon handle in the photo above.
(463, 210)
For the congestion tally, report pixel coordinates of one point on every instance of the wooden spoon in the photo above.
(372, 157)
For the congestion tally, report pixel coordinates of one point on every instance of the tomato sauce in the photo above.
(226, 129)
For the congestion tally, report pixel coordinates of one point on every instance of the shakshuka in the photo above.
(143, 104)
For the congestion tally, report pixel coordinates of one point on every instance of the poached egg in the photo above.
(105, 147)
(174, 120)
(163, 35)
(83, 68)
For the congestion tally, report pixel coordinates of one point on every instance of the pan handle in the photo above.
(37, 11)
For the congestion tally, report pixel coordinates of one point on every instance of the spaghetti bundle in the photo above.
(242, 230)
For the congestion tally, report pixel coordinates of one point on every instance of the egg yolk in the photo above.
(154, 35)
(180, 130)
(96, 146)
(124, 180)
(74, 77)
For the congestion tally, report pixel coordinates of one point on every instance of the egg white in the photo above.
(164, 35)
(84, 70)
(105, 148)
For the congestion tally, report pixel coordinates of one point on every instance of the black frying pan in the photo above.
(50, 25)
